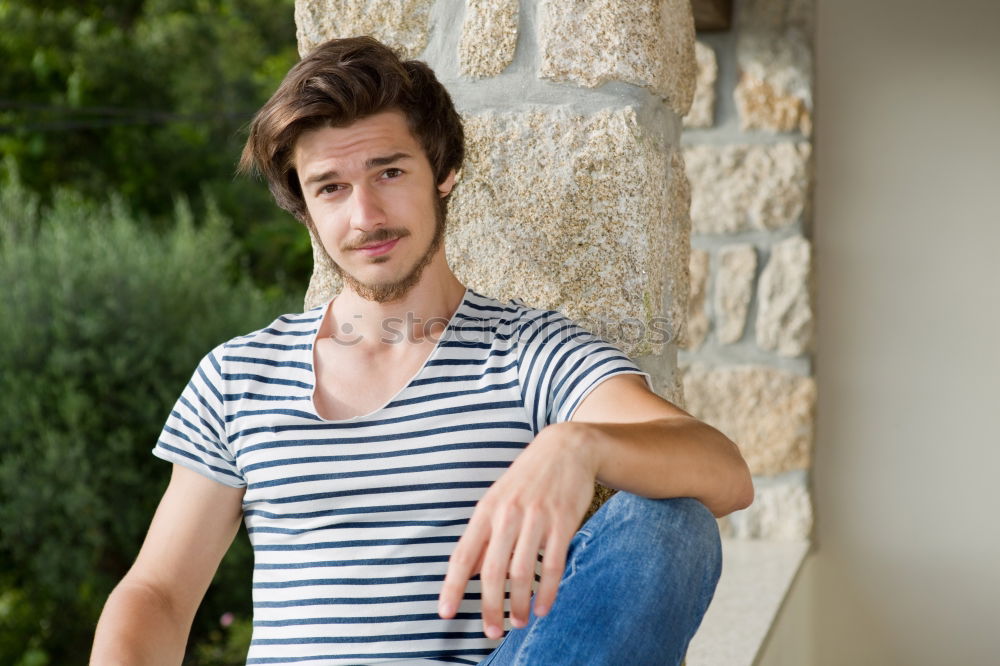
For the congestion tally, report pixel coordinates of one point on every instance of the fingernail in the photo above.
(445, 609)
(493, 632)
(540, 611)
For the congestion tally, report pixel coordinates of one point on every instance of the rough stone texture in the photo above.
(697, 318)
(702, 113)
(780, 512)
(402, 24)
(767, 412)
(567, 212)
(648, 43)
(785, 316)
(324, 283)
(774, 56)
(489, 35)
(737, 265)
(739, 188)
(678, 250)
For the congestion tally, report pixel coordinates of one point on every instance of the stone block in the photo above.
(741, 188)
(702, 113)
(781, 511)
(785, 314)
(737, 265)
(402, 24)
(697, 318)
(774, 57)
(489, 35)
(648, 43)
(569, 212)
(678, 250)
(769, 413)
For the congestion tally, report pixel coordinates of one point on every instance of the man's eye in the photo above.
(330, 189)
(392, 173)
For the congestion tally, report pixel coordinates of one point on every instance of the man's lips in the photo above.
(381, 248)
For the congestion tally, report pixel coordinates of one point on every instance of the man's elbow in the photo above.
(740, 488)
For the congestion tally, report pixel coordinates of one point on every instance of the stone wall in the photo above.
(746, 354)
(574, 194)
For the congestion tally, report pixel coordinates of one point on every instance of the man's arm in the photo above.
(147, 618)
(645, 445)
(621, 434)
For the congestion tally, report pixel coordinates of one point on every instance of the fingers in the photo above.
(462, 565)
(553, 564)
(522, 571)
(494, 571)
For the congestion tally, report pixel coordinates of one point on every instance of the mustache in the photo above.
(381, 235)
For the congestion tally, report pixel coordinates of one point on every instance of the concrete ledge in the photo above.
(756, 578)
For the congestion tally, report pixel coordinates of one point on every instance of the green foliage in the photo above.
(104, 320)
(149, 99)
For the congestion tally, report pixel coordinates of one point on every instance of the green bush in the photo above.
(103, 323)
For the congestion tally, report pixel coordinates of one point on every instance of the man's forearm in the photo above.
(672, 457)
(139, 627)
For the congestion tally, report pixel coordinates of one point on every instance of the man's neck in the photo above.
(418, 317)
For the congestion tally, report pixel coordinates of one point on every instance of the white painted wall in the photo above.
(907, 231)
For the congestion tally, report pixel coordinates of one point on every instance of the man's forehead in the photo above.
(375, 136)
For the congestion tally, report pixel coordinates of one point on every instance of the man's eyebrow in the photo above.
(384, 161)
(369, 164)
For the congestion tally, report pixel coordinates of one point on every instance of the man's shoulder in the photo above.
(511, 313)
(287, 332)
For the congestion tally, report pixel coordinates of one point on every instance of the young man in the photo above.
(402, 454)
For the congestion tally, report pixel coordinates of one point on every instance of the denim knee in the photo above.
(679, 529)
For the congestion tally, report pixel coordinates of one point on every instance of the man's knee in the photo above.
(680, 531)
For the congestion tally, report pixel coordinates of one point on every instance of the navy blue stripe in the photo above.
(420, 559)
(191, 456)
(338, 425)
(368, 619)
(553, 360)
(264, 380)
(367, 491)
(587, 376)
(298, 318)
(432, 654)
(331, 601)
(262, 412)
(451, 394)
(386, 454)
(359, 525)
(574, 370)
(270, 362)
(367, 639)
(307, 478)
(181, 435)
(247, 395)
(216, 438)
(393, 580)
(268, 345)
(463, 378)
(355, 543)
(203, 401)
(274, 331)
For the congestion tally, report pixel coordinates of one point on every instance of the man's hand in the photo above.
(537, 504)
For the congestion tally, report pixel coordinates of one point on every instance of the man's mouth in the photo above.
(378, 248)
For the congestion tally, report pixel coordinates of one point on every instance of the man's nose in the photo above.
(367, 213)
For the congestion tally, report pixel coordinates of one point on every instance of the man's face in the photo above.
(370, 192)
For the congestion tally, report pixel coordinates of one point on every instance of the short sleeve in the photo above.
(194, 435)
(560, 363)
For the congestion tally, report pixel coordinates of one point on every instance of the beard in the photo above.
(387, 292)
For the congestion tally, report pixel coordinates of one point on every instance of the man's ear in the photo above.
(445, 186)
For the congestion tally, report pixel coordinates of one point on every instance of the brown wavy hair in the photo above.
(341, 81)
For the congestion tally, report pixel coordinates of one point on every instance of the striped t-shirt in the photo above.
(352, 521)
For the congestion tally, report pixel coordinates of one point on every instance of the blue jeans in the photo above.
(639, 576)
